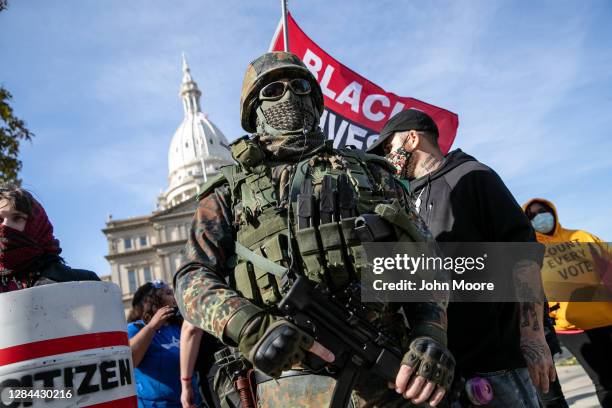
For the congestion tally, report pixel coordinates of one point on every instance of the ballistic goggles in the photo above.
(275, 90)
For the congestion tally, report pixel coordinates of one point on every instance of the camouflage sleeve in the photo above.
(204, 297)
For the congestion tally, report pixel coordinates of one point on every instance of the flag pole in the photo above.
(285, 25)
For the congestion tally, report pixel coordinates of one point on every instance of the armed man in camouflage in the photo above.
(287, 210)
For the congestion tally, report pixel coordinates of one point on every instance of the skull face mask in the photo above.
(288, 127)
(291, 114)
(400, 159)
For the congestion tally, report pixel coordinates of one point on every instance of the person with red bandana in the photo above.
(29, 252)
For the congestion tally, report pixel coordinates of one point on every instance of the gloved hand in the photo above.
(431, 366)
(431, 360)
(273, 345)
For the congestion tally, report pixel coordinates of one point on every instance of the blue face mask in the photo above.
(543, 222)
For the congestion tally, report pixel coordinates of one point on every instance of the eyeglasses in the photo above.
(277, 89)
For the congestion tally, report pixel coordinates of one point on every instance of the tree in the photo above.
(12, 132)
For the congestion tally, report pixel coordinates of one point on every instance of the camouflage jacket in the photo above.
(201, 284)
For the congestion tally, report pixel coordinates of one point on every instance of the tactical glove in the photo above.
(430, 359)
(273, 344)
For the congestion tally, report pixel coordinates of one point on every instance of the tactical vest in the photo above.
(312, 229)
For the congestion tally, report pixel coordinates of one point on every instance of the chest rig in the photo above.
(301, 217)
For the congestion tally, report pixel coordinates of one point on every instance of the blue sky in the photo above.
(98, 84)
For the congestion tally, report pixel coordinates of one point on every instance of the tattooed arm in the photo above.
(533, 342)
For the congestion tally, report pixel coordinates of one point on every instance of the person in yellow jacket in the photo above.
(585, 328)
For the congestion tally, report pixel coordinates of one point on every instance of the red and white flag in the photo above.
(355, 108)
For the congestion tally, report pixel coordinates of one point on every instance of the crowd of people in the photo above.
(266, 220)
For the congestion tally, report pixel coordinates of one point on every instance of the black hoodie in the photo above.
(466, 201)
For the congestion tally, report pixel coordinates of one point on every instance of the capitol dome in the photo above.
(197, 150)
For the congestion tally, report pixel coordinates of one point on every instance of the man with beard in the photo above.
(462, 200)
(271, 212)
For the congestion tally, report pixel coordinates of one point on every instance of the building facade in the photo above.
(148, 247)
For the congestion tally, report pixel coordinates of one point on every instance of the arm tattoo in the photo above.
(529, 293)
(533, 351)
(529, 316)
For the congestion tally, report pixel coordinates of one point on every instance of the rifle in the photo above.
(338, 322)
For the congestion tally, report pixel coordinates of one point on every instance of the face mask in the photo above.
(17, 251)
(400, 160)
(291, 114)
(288, 128)
(543, 222)
(20, 249)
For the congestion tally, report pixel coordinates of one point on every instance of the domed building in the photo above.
(197, 150)
(148, 247)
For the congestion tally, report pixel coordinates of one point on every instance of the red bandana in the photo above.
(20, 249)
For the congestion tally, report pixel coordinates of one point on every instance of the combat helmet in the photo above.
(265, 69)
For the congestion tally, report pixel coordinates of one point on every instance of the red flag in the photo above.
(355, 108)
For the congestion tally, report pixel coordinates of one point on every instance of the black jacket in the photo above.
(466, 201)
(51, 268)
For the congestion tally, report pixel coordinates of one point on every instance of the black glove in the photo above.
(273, 345)
(431, 360)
